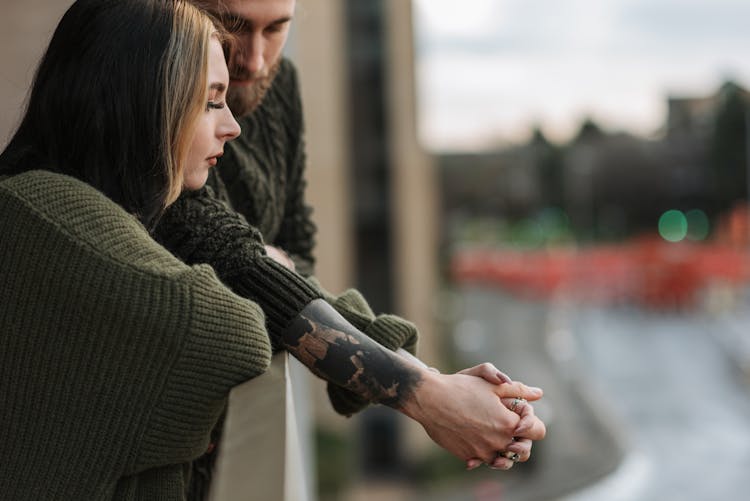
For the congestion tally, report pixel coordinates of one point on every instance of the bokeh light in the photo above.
(697, 224)
(673, 226)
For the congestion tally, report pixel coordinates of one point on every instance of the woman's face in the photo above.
(215, 126)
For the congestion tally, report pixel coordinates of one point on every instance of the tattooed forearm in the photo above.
(336, 351)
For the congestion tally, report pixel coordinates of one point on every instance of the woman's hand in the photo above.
(528, 426)
(463, 414)
(460, 412)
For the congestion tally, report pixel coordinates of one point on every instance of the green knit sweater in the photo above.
(115, 358)
(256, 195)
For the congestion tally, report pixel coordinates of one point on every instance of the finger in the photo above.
(528, 419)
(489, 458)
(488, 372)
(524, 410)
(503, 377)
(481, 455)
(529, 426)
(522, 447)
(534, 429)
(501, 463)
(517, 405)
(518, 390)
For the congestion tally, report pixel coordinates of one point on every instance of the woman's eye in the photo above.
(214, 105)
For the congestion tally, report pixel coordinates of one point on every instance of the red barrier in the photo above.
(649, 272)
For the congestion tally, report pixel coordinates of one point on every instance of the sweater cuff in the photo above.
(389, 330)
(280, 292)
(393, 332)
(345, 402)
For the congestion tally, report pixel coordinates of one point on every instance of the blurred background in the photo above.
(558, 187)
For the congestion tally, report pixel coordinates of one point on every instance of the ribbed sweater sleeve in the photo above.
(391, 331)
(116, 358)
(222, 327)
(198, 228)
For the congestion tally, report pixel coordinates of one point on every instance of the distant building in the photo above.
(612, 185)
(694, 118)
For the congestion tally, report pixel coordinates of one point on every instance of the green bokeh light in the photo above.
(698, 224)
(673, 226)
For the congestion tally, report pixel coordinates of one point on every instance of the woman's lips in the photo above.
(214, 158)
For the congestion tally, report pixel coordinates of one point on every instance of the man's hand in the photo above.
(280, 256)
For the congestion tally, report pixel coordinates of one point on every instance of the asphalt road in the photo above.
(684, 405)
(639, 405)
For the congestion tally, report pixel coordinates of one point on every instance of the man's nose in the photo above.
(253, 54)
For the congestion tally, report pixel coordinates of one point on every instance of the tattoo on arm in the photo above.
(336, 351)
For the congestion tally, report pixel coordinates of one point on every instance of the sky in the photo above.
(488, 71)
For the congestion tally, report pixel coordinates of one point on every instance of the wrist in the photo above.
(417, 404)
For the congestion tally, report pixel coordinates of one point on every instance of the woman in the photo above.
(115, 357)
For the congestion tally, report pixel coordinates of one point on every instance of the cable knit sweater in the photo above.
(256, 195)
(115, 358)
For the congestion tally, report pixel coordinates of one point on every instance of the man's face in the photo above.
(261, 27)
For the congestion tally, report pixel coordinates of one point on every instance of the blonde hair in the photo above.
(185, 73)
(132, 75)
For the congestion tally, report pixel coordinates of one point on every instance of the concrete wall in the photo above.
(318, 48)
(25, 29)
(415, 187)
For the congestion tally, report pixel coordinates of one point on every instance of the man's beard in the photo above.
(244, 99)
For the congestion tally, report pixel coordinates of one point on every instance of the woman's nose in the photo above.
(230, 129)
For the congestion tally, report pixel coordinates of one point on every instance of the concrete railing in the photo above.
(265, 451)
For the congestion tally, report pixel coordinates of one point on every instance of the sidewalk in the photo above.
(734, 337)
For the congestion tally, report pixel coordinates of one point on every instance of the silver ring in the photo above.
(513, 456)
(515, 403)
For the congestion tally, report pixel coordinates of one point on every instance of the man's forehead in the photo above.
(254, 11)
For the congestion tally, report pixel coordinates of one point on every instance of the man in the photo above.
(256, 195)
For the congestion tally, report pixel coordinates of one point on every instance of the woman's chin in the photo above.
(195, 182)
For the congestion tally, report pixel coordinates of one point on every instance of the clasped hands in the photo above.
(479, 415)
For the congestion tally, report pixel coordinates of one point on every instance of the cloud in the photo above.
(555, 61)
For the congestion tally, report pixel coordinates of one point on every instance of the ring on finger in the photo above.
(513, 456)
(515, 403)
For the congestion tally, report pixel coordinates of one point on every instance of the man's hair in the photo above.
(115, 100)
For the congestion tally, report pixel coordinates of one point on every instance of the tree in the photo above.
(728, 147)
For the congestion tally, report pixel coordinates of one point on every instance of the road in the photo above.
(640, 405)
(685, 407)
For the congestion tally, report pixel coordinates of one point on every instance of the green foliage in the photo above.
(438, 467)
(335, 462)
(548, 226)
